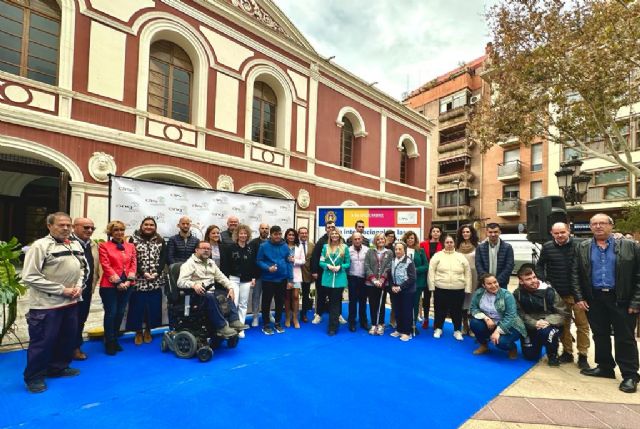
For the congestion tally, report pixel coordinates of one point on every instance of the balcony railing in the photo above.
(509, 207)
(509, 171)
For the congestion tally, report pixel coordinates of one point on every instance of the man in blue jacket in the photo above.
(495, 256)
(276, 264)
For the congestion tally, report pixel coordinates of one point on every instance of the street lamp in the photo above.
(457, 183)
(572, 182)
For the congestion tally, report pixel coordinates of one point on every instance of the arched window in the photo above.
(30, 39)
(404, 164)
(263, 121)
(346, 143)
(170, 77)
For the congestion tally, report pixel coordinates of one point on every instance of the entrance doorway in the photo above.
(29, 190)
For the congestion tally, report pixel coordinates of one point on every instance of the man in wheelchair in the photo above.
(200, 273)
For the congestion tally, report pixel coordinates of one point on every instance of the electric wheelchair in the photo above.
(190, 332)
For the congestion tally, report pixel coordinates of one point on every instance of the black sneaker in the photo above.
(566, 358)
(553, 360)
(279, 329)
(67, 372)
(267, 330)
(117, 346)
(582, 362)
(36, 386)
(352, 326)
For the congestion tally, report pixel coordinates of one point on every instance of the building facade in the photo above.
(223, 94)
(456, 165)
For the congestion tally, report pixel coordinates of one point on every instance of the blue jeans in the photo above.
(115, 303)
(506, 342)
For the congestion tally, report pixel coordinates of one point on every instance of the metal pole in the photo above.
(457, 206)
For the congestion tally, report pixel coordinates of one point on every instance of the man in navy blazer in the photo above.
(495, 256)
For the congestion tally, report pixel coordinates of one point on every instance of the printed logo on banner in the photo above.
(157, 201)
(330, 216)
(159, 218)
(217, 215)
(128, 189)
(178, 210)
(271, 212)
(238, 209)
(407, 217)
(255, 218)
(131, 207)
(283, 207)
(177, 195)
(200, 206)
(221, 200)
(255, 203)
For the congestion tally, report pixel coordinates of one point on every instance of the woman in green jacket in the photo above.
(415, 252)
(334, 261)
(494, 317)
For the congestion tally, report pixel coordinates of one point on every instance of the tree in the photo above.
(630, 221)
(566, 71)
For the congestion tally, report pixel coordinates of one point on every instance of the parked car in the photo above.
(524, 251)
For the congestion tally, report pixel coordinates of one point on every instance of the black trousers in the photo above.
(426, 302)
(52, 338)
(377, 299)
(273, 291)
(548, 337)
(307, 303)
(357, 300)
(604, 312)
(448, 301)
(335, 307)
(83, 313)
(402, 303)
(322, 296)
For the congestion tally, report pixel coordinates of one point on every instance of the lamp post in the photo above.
(572, 182)
(457, 183)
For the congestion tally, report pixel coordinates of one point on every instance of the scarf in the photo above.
(466, 247)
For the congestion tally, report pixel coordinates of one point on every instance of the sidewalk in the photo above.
(548, 397)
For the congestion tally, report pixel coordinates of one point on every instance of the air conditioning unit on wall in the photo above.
(474, 99)
(474, 192)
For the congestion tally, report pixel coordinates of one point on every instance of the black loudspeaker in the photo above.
(542, 213)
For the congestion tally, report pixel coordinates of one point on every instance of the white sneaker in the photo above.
(437, 333)
(316, 319)
(256, 321)
(458, 335)
(341, 320)
(241, 334)
(271, 318)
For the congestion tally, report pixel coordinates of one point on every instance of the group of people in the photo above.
(595, 283)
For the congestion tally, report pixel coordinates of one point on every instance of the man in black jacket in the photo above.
(182, 245)
(554, 267)
(256, 291)
(606, 283)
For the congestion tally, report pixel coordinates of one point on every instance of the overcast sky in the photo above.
(399, 43)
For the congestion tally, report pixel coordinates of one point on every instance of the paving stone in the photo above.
(568, 413)
(617, 416)
(511, 409)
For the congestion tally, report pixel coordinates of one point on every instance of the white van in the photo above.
(524, 251)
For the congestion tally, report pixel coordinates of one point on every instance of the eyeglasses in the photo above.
(90, 228)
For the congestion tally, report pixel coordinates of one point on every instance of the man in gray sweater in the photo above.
(54, 271)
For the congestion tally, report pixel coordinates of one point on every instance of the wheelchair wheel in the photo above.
(232, 342)
(185, 344)
(216, 342)
(164, 345)
(204, 354)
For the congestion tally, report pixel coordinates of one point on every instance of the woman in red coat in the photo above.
(118, 260)
(431, 246)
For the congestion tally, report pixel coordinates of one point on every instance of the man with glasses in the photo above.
(199, 273)
(606, 283)
(83, 229)
(54, 271)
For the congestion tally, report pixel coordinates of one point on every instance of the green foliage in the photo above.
(630, 222)
(10, 286)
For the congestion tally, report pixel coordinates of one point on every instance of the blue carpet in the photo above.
(301, 378)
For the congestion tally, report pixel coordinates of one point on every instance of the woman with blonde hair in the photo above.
(377, 264)
(119, 265)
(238, 263)
(334, 261)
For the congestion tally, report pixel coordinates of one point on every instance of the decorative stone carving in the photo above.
(225, 183)
(304, 199)
(251, 8)
(101, 165)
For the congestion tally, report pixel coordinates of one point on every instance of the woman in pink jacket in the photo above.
(119, 265)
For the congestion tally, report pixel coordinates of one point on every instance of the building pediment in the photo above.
(270, 16)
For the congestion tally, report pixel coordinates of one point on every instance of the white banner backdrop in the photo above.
(132, 200)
